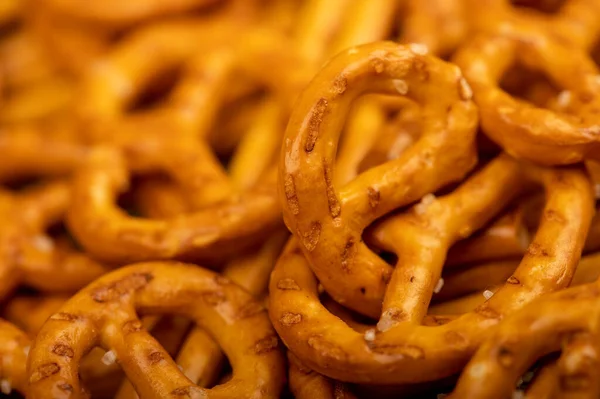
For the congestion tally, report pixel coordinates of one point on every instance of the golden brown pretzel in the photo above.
(108, 233)
(402, 350)
(523, 130)
(30, 312)
(540, 328)
(307, 384)
(29, 151)
(14, 348)
(119, 14)
(28, 254)
(104, 313)
(506, 237)
(329, 222)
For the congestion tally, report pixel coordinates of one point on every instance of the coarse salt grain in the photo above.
(438, 286)
(401, 86)
(109, 358)
(518, 394)
(5, 387)
(564, 98)
(466, 93)
(421, 207)
(487, 294)
(418, 48)
(43, 243)
(370, 335)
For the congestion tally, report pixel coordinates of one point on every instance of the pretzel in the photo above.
(306, 384)
(30, 312)
(312, 207)
(400, 350)
(488, 276)
(119, 14)
(14, 347)
(574, 23)
(507, 237)
(28, 255)
(522, 130)
(439, 25)
(535, 330)
(104, 314)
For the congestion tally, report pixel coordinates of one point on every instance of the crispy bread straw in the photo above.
(104, 314)
(401, 350)
(329, 222)
(28, 255)
(523, 130)
(534, 331)
(14, 347)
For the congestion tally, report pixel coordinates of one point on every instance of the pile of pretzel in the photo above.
(299, 198)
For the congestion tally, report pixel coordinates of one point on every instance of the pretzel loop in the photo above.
(550, 137)
(329, 221)
(104, 313)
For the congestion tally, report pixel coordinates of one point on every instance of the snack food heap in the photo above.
(299, 199)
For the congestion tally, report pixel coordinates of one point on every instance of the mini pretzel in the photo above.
(507, 237)
(116, 13)
(14, 347)
(104, 313)
(523, 130)
(31, 312)
(534, 331)
(110, 234)
(328, 222)
(28, 255)
(401, 350)
(306, 384)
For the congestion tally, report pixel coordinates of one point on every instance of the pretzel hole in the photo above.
(529, 85)
(545, 6)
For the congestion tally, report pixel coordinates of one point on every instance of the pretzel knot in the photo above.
(328, 221)
(566, 134)
(104, 314)
(540, 328)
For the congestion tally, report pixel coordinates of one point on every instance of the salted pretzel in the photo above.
(421, 238)
(30, 312)
(14, 348)
(573, 22)
(507, 237)
(104, 313)
(534, 331)
(29, 255)
(119, 14)
(328, 222)
(538, 134)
